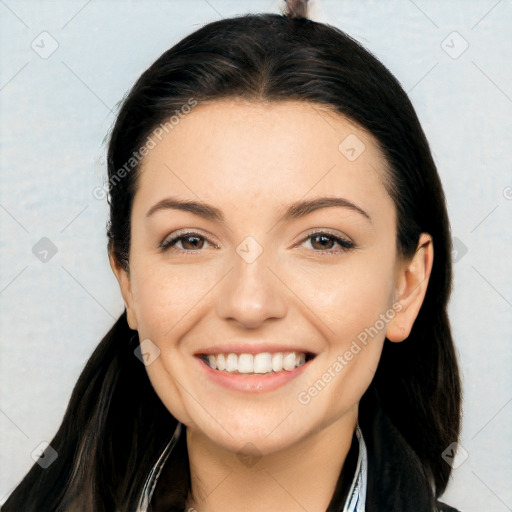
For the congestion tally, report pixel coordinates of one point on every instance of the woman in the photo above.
(279, 233)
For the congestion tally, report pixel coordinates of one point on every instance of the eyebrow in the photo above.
(296, 210)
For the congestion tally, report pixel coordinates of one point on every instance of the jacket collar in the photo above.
(397, 481)
(152, 478)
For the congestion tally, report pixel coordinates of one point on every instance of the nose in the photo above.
(251, 293)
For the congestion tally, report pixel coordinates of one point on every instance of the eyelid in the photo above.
(327, 231)
(338, 237)
(182, 233)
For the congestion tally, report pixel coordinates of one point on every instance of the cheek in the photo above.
(350, 302)
(348, 297)
(168, 301)
(164, 295)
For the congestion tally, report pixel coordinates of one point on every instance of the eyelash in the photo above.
(345, 245)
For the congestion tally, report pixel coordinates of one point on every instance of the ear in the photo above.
(411, 285)
(123, 278)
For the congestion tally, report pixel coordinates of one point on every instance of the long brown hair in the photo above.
(115, 425)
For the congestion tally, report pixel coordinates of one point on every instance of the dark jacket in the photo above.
(396, 481)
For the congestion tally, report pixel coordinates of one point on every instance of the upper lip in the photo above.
(251, 348)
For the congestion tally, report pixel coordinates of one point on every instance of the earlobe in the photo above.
(123, 278)
(411, 287)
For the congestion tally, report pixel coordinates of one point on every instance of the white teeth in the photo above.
(245, 363)
(289, 361)
(277, 362)
(221, 362)
(264, 362)
(231, 363)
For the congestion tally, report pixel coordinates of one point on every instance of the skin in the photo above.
(251, 160)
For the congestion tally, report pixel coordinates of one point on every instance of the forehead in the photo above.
(237, 151)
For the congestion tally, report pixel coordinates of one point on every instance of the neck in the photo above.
(297, 478)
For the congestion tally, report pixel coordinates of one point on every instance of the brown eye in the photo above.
(192, 242)
(326, 243)
(186, 242)
(322, 241)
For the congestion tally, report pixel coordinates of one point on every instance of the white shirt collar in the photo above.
(356, 497)
(151, 480)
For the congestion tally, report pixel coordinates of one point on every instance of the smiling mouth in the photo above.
(262, 363)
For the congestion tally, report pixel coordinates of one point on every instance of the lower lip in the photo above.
(253, 383)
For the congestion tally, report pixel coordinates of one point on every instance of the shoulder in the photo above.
(443, 507)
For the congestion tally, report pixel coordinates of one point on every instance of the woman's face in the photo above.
(262, 270)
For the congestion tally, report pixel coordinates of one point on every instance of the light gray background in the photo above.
(55, 112)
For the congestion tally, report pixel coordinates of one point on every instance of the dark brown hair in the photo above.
(115, 425)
